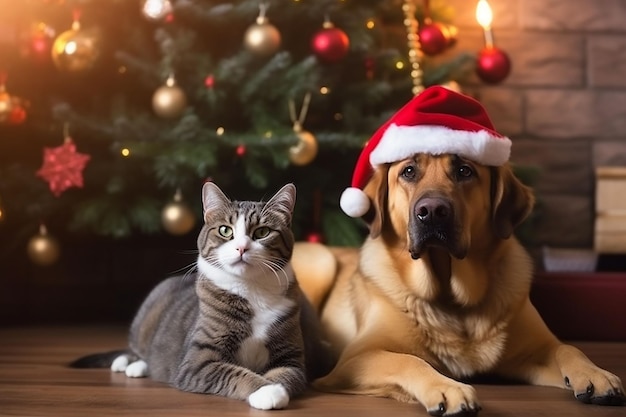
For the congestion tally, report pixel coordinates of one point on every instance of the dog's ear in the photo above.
(376, 191)
(511, 200)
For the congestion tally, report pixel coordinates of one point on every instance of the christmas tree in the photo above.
(133, 105)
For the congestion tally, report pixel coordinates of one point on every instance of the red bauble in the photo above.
(493, 65)
(39, 42)
(209, 81)
(330, 44)
(315, 237)
(17, 115)
(241, 150)
(433, 39)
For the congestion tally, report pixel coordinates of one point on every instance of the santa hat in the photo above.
(437, 121)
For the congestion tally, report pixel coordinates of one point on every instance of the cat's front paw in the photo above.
(137, 369)
(269, 397)
(120, 363)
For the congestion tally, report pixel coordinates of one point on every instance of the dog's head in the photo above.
(446, 202)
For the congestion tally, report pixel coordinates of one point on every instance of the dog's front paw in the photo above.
(452, 398)
(594, 385)
(269, 397)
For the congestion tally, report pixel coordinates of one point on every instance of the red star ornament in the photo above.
(63, 167)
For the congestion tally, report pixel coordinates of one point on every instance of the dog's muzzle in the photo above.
(432, 223)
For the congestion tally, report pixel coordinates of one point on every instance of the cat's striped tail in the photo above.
(98, 360)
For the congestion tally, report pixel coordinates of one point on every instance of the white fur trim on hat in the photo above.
(354, 202)
(400, 142)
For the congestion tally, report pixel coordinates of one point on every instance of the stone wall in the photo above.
(564, 104)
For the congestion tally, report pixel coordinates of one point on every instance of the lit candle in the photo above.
(484, 16)
(492, 64)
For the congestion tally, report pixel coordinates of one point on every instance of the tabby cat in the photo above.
(233, 327)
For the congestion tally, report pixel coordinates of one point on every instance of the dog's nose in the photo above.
(432, 210)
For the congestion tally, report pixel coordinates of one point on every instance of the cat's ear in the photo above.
(284, 200)
(212, 198)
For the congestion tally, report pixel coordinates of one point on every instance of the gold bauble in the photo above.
(305, 151)
(177, 218)
(262, 38)
(43, 249)
(76, 50)
(169, 101)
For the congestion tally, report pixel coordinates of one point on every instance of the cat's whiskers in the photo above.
(189, 275)
(277, 268)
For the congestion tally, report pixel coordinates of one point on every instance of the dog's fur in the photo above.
(439, 292)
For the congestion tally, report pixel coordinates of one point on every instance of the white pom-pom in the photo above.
(354, 202)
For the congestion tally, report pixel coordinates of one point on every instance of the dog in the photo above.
(439, 292)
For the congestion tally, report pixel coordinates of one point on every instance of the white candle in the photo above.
(484, 16)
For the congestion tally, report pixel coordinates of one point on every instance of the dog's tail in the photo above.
(98, 360)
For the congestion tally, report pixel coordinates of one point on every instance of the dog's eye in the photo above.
(408, 172)
(465, 171)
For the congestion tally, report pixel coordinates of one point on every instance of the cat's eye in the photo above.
(261, 232)
(225, 231)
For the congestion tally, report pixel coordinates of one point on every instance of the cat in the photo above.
(233, 327)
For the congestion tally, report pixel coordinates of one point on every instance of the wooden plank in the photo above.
(35, 381)
(606, 242)
(610, 195)
(611, 172)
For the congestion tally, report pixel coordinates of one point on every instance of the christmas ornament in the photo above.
(241, 150)
(169, 101)
(12, 109)
(436, 121)
(415, 51)
(330, 44)
(262, 38)
(42, 248)
(6, 102)
(315, 237)
(157, 9)
(209, 81)
(38, 42)
(63, 167)
(433, 38)
(17, 115)
(493, 65)
(176, 217)
(305, 150)
(76, 50)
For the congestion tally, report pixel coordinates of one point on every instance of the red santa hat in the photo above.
(437, 121)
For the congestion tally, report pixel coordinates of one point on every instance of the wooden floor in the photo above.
(35, 381)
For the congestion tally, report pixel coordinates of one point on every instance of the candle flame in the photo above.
(484, 15)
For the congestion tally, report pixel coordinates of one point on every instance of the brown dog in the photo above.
(439, 291)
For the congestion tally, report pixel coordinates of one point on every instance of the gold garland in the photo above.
(413, 42)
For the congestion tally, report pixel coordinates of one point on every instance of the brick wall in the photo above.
(564, 104)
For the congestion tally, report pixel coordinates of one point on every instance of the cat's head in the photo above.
(247, 237)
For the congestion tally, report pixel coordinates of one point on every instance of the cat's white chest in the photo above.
(253, 353)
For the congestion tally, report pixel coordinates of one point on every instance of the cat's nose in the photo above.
(241, 250)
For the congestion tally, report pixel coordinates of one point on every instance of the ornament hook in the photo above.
(298, 121)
